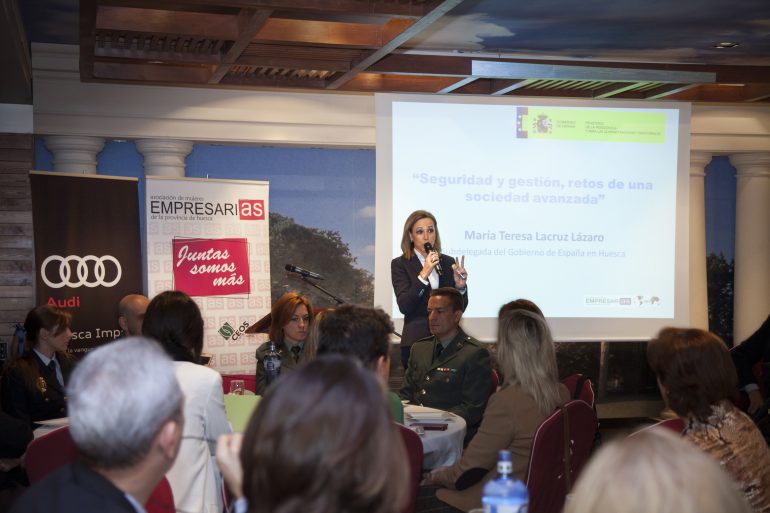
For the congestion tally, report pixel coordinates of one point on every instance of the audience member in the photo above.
(322, 442)
(292, 316)
(125, 414)
(530, 392)
(131, 311)
(449, 370)
(697, 379)
(33, 384)
(654, 471)
(751, 351)
(363, 333)
(174, 320)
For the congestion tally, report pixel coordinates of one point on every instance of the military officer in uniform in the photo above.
(449, 370)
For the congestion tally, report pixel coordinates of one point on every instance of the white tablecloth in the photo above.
(440, 448)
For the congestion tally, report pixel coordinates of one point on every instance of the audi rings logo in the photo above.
(83, 271)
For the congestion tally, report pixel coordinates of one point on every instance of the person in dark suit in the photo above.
(292, 317)
(753, 350)
(450, 370)
(126, 452)
(418, 271)
(33, 384)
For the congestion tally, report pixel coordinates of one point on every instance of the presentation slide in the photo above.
(578, 206)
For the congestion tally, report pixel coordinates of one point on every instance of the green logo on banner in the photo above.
(226, 331)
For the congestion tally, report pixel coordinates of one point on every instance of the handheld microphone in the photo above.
(303, 272)
(429, 249)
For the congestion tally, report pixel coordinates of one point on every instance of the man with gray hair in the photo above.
(126, 417)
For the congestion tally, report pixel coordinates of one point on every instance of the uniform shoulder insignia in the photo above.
(472, 341)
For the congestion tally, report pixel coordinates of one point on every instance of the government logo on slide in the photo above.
(61, 275)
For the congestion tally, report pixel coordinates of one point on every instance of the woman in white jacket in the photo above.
(174, 320)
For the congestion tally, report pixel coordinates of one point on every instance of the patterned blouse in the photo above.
(730, 437)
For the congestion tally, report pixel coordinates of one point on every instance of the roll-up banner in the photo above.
(211, 239)
(87, 249)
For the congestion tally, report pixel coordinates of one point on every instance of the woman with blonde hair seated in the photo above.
(697, 379)
(654, 471)
(530, 392)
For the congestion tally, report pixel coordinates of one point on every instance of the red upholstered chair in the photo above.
(413, 447)
(162, 499)
(57, 448)
(49, 452)
(250, 380)
(495, 382)
(548, 480)
(586, 392)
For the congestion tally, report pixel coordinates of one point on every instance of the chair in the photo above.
(548, 480)
(495, 382)
(49, 452)
(585, 391)
(413, 447)
(250, 380)
(57, 448)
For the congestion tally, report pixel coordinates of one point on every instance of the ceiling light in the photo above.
(726, 44)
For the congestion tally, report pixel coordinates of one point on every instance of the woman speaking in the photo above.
(419, 269)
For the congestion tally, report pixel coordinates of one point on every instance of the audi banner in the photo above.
(87, 249)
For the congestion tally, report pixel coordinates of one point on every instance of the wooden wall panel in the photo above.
(17, 276)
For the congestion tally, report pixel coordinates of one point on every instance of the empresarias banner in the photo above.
(210, 239)
(87, 249)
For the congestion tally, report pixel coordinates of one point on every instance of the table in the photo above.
(440, 448)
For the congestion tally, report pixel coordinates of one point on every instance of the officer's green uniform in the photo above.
(288, 362)
(459, 380)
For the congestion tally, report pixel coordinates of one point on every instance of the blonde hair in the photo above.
(654, 471)
(527, 357)
(407, 246)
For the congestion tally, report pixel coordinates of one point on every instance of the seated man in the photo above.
(449, 370)
(131, 311)
(363, 333)
(125, 412)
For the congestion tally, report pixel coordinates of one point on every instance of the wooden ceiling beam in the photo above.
(155, 57)
(152, 73)
(402, 64)
(441, 9)
(331, 33)
(249, 23)
(406, 84)
(407, 9)
(129, 19)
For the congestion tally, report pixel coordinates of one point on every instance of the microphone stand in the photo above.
(337, 299)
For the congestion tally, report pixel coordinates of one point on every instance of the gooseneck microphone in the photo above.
(429, 249)
(303, 272)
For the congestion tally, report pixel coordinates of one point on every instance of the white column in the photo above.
(699, 315)
(164, 157)
(752, 242)
(74, 153)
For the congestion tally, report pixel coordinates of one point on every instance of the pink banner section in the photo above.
(211, 267)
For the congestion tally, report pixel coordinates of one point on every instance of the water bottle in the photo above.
(272, 363)
(505, 494)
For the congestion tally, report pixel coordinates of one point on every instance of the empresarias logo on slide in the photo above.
(251, 209)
